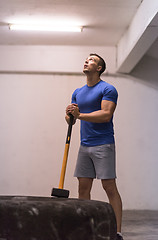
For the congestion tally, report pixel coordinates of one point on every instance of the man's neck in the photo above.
(92, 80)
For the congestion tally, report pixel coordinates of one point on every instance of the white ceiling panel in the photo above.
(105, 20)
(105, 23)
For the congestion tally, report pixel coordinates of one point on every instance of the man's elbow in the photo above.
(104, 120)
(107, 117)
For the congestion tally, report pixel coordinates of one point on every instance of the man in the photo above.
(94, 104)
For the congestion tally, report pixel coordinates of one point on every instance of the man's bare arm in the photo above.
(100, 116)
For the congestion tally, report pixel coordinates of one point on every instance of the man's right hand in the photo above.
(71, 109)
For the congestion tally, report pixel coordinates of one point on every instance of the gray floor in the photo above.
(140, 225)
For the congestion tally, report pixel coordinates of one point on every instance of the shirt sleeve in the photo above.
(110, 94)
(73, 98)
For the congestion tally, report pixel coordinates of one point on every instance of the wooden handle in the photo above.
(67, 145)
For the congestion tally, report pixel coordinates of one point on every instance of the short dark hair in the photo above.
(101, 62)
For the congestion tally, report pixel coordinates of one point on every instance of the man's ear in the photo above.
(99, 68)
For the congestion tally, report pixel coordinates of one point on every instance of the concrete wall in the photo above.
(35, 87)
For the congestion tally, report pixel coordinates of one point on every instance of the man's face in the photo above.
(91, 64)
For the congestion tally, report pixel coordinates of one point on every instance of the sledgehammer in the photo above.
(60, 192)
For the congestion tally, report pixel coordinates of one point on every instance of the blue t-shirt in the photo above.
(89, 100)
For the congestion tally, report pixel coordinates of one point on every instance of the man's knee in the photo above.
(85, 185)
(109, 186)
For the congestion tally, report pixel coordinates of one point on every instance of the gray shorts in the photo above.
(97, 161)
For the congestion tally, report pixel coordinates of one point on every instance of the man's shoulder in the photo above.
(107, 86)
(79, 89)
(103, 83)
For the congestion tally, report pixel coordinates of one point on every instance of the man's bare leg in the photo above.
(114, 199)
(84, 188)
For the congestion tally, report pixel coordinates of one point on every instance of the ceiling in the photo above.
(104, 21)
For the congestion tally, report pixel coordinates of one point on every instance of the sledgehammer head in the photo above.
(60, 193)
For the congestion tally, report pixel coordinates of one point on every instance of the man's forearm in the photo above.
(99, 116)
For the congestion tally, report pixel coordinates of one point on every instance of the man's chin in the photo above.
(85, 70)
